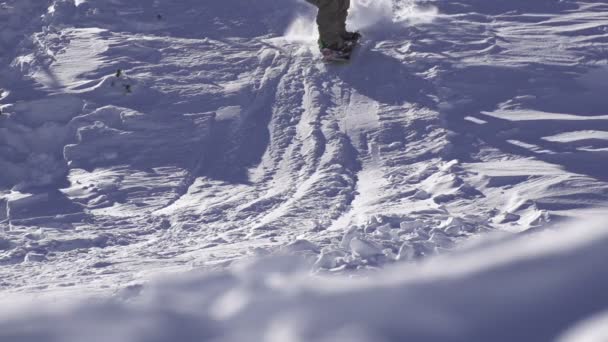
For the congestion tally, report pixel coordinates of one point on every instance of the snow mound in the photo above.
(553, 279)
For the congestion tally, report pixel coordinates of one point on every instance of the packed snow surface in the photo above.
(449, 183)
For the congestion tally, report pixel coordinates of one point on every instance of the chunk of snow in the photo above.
(364, 248)
(301, 245)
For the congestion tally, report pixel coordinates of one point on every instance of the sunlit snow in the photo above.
(192, 171)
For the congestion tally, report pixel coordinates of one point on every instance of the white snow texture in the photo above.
(191, 170)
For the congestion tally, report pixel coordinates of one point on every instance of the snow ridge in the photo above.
(485, 293)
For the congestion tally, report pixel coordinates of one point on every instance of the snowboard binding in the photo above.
(342, 54)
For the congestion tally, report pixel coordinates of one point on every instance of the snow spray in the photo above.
(366, 13)
(302, 29)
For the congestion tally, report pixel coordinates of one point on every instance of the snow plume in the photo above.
(367, 13)
(302, 29)
(409, 11)
(364, 14)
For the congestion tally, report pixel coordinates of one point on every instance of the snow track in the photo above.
(142, 135)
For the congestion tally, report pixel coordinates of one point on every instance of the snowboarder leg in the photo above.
(342, 15)
(331, 20)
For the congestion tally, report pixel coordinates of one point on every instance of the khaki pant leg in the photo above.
(343, 14)
(328, 19)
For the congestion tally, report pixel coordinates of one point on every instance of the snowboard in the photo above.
(330, 56)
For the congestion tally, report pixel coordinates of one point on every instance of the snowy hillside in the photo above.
(449, 183)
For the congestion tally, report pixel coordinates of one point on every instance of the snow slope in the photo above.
(139, 137)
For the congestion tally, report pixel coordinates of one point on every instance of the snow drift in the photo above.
(533, 288)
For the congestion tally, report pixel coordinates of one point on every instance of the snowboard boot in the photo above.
(335, 53)
(332, 55)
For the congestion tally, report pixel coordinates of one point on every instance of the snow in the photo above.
(553, 279)
(418, 193)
